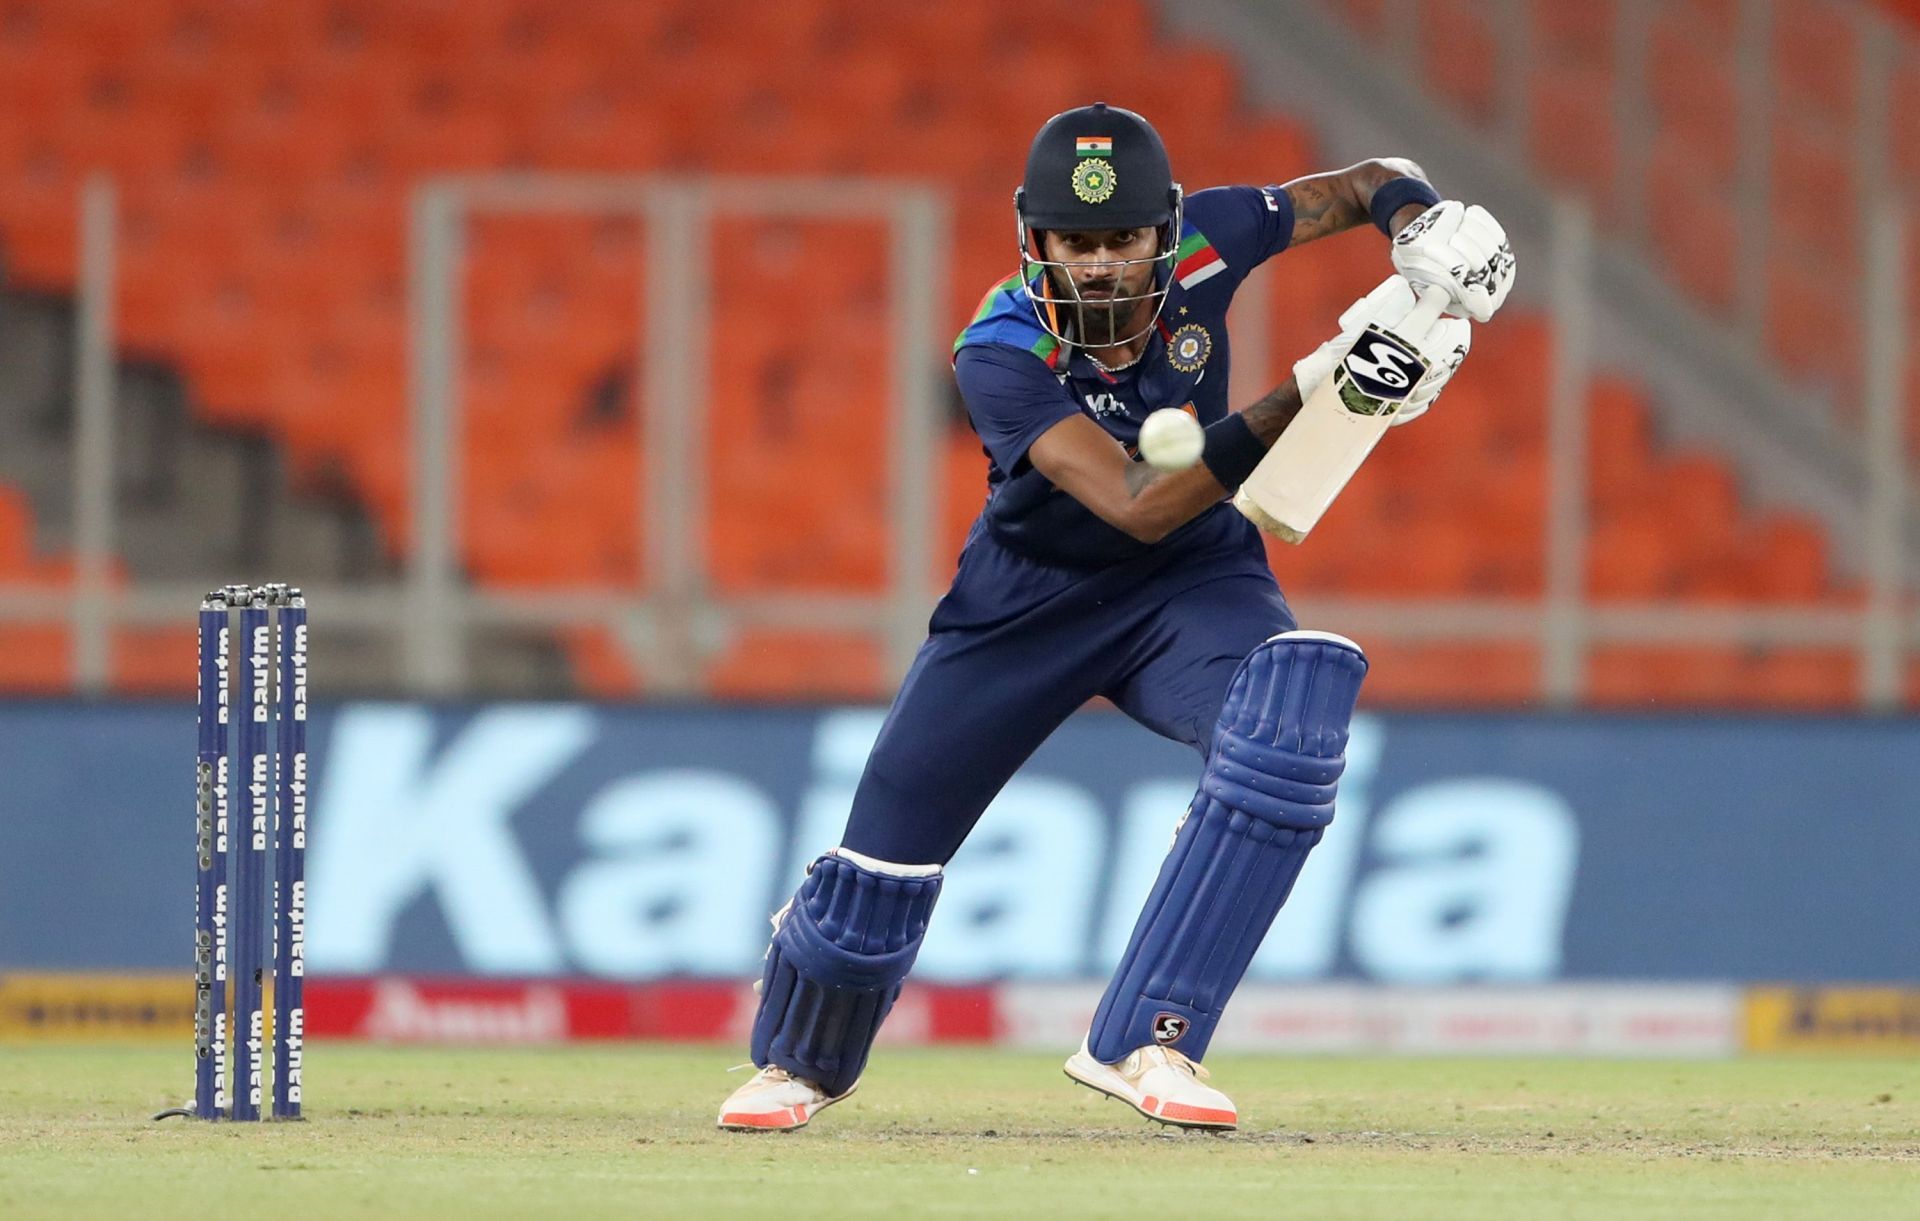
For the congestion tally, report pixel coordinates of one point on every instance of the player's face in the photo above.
(1096, 274)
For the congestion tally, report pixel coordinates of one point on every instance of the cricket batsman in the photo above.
(1093, 573)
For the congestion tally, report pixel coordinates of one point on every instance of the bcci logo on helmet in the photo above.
(1168, 1027)
(1093, 180)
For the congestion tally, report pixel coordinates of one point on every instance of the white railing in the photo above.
(1888, 316)
(1565, 633)
(93, 446)
(671, 624)
(679, 617)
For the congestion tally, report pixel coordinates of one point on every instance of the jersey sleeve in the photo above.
(1012, 397)
(1246, 225)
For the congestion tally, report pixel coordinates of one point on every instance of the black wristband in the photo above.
(1232, 451)
(1395, 194)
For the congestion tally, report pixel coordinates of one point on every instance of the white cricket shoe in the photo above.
(775, 1101)
(1161, 1084)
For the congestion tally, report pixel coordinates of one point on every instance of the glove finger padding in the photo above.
(1423, 251)
(1389, 302)
(1434, 228)
(1461, 249)
(1479, 227)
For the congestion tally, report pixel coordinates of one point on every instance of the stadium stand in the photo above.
(265, 153)
(1813, 118)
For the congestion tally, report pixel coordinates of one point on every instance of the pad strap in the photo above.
(840, 951)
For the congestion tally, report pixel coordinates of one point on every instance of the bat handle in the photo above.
(1427, 308)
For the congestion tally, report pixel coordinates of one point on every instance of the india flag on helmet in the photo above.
(1094, 146)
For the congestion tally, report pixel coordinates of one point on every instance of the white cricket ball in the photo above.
(1171, 440)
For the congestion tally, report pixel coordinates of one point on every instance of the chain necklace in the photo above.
(1104, 367)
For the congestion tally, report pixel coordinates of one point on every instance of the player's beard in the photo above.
(1100, 324)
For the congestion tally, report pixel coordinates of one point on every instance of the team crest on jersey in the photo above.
(1093, 180)
(1189, 348)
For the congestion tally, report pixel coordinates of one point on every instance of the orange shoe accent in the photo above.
(792, 1117)
(1191, 1114)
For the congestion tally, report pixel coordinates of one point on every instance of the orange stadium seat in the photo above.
(1645, 676)
(1812, 165)
(153, 660)
(1573, 140)
(266, 155)
(797, 665)
(1693, 96)
(37, 248)
(1694, 228)
(1903, 125)
(1904, 10)
(16, 534)
(1617, 440)
(1580, 36)
(1457, 39)
(1913, 400)
(1812, 313)
(1814, 48)
(35, 659)
(1368, 18)
(1452, 675)
(601, 667)
(1794, 552)
(968, 33)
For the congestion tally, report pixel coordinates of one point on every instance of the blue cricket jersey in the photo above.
(1033, 542)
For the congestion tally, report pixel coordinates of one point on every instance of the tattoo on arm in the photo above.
(1322, 205)
(1270, 416)
(1325, 204)
(1268, 419)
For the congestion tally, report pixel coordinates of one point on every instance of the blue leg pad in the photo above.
(838, 957)
(1264, 799)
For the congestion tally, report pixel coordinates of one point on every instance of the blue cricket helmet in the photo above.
(1091, 169)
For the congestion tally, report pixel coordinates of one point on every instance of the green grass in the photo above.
(627, 1131)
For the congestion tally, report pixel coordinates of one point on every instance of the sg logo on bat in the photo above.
(1379, 372)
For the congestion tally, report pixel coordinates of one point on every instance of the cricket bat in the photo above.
(1339, 424)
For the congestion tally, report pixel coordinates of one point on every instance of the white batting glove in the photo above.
(1461, 249)
(1445, 345)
